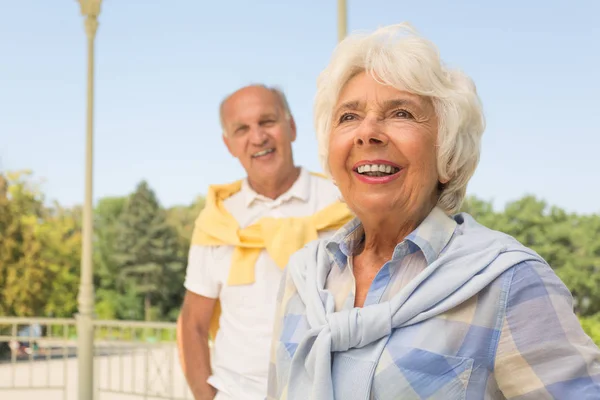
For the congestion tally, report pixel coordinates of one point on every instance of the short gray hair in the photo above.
(397, 56)
(273, 89)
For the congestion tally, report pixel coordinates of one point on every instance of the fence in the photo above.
(132, 360)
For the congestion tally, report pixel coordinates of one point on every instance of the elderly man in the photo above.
(242, 241)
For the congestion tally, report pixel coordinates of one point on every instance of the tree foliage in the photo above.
(570, 243)
(140, 253)
(146, 251)
(39, 251)
(113, 301)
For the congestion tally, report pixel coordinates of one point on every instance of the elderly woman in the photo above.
(409, 300)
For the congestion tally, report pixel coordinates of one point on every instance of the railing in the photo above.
(35, 354)
(138, 358)
(132, 360)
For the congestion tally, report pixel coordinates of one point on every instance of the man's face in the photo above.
(258, 133)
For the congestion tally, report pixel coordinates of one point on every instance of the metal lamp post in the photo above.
(342, 13)
(90, 9)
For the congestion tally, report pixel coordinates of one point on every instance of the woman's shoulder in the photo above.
(530, 274)
(472, 233)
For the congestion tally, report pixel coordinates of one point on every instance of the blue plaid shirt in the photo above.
(516, 339)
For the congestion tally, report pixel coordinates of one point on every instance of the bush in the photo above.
(591, 326)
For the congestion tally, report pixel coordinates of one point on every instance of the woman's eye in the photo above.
(403, 114)
(346, 117)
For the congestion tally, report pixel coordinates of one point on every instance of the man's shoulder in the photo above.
(319, 178)
(233, 193)
(231, 186)
(323, 188)
(305, 262)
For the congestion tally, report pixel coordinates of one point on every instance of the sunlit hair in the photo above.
(397, 56)
(275, 90)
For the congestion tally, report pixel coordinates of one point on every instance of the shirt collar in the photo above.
(299, 190)
(431, 237)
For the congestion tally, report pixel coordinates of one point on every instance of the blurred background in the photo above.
(161, 70)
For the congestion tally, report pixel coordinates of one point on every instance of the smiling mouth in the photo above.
(377, 170)
(262, 153)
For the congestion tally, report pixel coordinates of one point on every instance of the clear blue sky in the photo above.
(164, 65)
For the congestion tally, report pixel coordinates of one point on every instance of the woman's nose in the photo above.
(370, 132)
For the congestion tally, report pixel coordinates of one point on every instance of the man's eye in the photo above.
(268, 122)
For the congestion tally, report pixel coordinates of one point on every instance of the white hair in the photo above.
(273, 89)
(397, 56)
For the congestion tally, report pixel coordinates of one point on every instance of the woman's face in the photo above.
(382, 149)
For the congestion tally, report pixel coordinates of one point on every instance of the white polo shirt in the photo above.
(241, 350)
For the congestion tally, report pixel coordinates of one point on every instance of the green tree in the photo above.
(115, 299)
(481, 210)
(146, 250)
(39, 251)
(21, 275)
(591, 326)
(60, 240)
(580, 264)
(182, 219)
(568, 242)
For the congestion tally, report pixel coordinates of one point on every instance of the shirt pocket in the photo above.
(419, 374)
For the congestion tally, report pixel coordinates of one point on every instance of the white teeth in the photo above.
(377, 168)
(262, 153)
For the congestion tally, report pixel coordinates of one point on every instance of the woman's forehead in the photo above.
(362, 90)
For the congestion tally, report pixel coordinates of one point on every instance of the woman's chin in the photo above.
(374, 206)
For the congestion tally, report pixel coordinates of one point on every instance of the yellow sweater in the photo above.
(280, 237)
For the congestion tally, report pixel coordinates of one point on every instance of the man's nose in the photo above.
(258, 136)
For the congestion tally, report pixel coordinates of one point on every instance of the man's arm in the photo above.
(192, 343)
